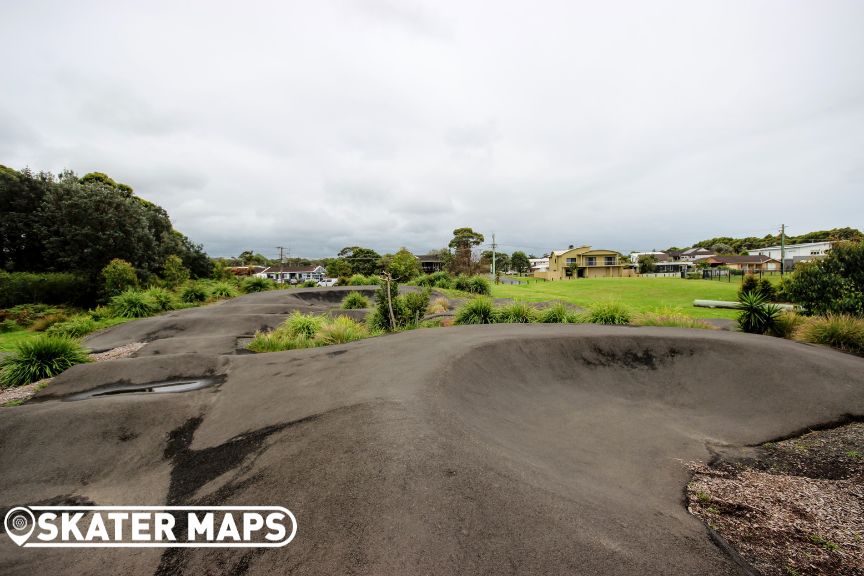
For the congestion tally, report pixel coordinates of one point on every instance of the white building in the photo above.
(634, 256)
(539, 264)
(795, 252)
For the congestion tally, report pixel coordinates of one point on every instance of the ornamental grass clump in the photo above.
(132, 304)
(75, 327)
(340, 330)
(302, 325)
(517, 313)
(557, 313)
(41, 357)
(670, 318)
(841, 331)
(163, 300)
(193, 293)
(355, 301)
(476, 311)
(612, 313)
(256, 284)
(223, 290)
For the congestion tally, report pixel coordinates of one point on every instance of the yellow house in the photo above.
(583, 262)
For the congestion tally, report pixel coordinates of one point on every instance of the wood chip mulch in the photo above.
(797, 509)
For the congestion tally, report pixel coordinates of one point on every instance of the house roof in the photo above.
(282, 269)
(757, 259)
(429, 258)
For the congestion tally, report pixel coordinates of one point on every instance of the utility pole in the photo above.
(782, 249)
(281, 263)
(493, 259)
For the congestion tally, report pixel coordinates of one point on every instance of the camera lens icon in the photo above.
(19, 524)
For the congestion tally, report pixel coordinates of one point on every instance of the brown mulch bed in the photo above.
(797, 508)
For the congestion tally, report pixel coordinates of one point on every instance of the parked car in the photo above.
(327, 282)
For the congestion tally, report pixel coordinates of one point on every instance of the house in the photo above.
(538, 264)
(794, 253)
(665, 264)
(747, 264)
(692, 254)
(430, 263)
(583, 262)
(283, 274)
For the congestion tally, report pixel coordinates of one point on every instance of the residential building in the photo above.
(747, 264)
(795, 253)
(293, 274)
(538, 264)
(692, 254)
(634, 256)
(430, 263)
(583, 262)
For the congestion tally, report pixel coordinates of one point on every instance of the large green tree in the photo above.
(519, 262)
(361, 260)
(403, 265)
(463, 243)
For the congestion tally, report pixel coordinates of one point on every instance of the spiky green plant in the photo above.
(302, 325)
(757, 315)
(256, 284)
(476, 311)
(786, 324)
(355, 301)
(40, 357)
(132, 304)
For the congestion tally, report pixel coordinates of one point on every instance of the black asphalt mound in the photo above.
(505, 449)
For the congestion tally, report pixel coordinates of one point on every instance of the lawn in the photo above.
(640, 294)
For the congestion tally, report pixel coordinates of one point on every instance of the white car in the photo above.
(327, 282)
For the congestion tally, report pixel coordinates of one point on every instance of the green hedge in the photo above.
(46, 288)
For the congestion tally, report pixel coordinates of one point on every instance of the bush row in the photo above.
(47, 288)
(309, 331)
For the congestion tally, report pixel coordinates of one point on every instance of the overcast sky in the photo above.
(387, 123)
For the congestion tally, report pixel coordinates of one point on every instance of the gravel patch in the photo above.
(120, 352)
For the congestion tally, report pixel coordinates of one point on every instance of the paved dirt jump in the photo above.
(506, 449)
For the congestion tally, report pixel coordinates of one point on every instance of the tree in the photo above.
(502, 260)
(833, 285)
(403, 266)
(21, 196)
(647, 264)
(519, 262)
(119, 276)
(249, 258)
(721, 248)
(361, 260)
(220, 270)
(463, 242)
(173, 272)
(337, 268)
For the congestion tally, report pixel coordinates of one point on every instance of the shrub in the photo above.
(132, 304)
(517, 313)
(224, 290)
(424, 280)
(101, 313)
(380, 319)
(193, 293)
(45, 322)
(309, 284)
(556, 314)
(476, 311)
(118, 275)
(612, 313)
(439, 306)
(75, 327)
(38, 358)
(277, 341)
(361, 280)
(833, 285)
(47, 287)
(764, 287)
(786, 324)
(355, 301)
(302, 325)
(480, 285)
(256, 284)
(670, 318)
(462, 283)
(340, 330)
(840, 331)
(413, 306)
(756, 314)
(9, 325)
(162, 299)
(748, 284)
(174, 273)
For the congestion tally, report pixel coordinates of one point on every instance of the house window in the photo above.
(592, 261)
(609, 260)
(571, 261)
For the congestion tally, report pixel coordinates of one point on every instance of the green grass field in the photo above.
(640, 294)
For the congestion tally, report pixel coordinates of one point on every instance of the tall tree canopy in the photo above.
(66, 223)
(519, 262)
(361, 260)
(463, 242)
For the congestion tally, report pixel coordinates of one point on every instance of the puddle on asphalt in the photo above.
(165, 387)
